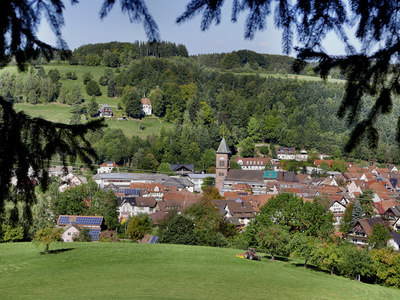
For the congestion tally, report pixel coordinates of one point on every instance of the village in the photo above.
(244, 192)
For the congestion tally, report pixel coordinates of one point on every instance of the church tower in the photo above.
(222, 164)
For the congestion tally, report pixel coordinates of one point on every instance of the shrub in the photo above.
(83, 236)
(12, 234)
(108, 236)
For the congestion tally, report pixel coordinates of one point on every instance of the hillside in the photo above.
(246, 97)
(116, 270)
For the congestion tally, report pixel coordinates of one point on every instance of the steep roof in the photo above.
(146, 201)
(179, 167)
(368, 224)
(146, 101)
(223, 147)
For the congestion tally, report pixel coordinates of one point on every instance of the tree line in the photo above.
(114, 54)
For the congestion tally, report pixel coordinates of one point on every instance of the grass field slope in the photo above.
(137, 271)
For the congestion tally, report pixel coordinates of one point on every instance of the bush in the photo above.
(108, 236)
(12, 234)
(83, 236)
(179, 230)
(208, 238)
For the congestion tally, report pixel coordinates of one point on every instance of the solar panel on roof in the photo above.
(63, 220)
(153, 239)
(89, 220)
(94, 233)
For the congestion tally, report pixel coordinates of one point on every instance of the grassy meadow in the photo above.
(57, 112)
(130, 270)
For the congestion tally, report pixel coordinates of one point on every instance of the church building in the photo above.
(222, 164)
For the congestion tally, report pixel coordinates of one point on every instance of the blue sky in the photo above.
(83, 26)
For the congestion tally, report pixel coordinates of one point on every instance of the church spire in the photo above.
(223, 147)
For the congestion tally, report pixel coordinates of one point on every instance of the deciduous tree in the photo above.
(139, 226)
(379, 237)
(48, 235)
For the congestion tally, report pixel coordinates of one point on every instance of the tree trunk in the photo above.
(332, 271)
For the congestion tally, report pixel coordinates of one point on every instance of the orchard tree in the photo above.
(330, 256)
(273, 239)
(48, 235)
(303, 246)
(356, 263)
(387, 266)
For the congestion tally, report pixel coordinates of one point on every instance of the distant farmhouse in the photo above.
(105, 111)
(146, 106)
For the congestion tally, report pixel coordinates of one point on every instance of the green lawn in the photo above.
(127, 270)
(57, 112)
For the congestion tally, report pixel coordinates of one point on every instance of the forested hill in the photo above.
(205, 102)
(249, 60)
(115, 53)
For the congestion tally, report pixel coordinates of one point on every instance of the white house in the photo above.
(107, 167)
(131, 206)
(146, 106)
(303, 156)
(105, 111)
(70, 232)
(252, 163)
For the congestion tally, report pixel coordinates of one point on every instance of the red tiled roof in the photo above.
(146, 101)
(109, 164)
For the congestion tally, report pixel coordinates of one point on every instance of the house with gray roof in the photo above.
(182, 169)
(105, 111)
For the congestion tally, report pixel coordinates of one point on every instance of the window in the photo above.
(69, 233)
(221, 163)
